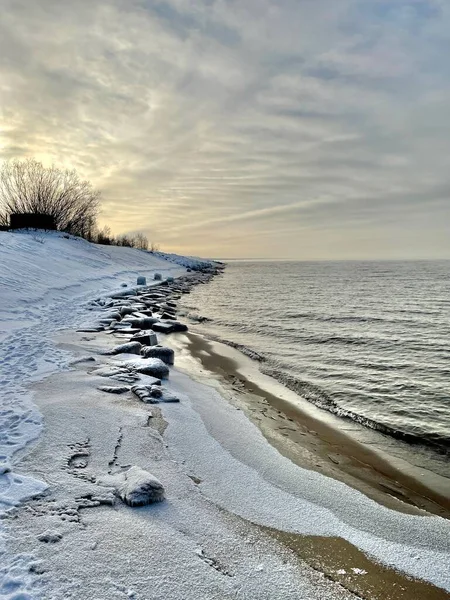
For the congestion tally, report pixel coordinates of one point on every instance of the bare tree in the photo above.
(27, 187)
(141, 241)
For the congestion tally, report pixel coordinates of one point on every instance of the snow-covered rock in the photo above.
(137, 487)
(165, 354)
(128, 348)
(150, 366)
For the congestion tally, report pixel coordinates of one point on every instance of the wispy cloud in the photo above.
(251, 127)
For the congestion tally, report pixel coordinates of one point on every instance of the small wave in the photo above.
(323, 400)
(244, 349)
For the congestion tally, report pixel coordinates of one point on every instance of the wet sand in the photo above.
(311, 442)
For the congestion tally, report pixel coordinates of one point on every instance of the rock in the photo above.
(169, 316)
(143, 392)
(125, 330)
(93, 329)
(142, 323)
(126, 378)
(156, 391)
(148, 380)
(112, 389)
(113, 316)
(129, 348)
(146, 339)
(141, 281)
(171, 304)
(152, 394)
(165, 354)
(157, 277)
(126, 310)
(123, 285)
(145, 312)
(139, 488)
(169, 279)
(123, 294)
(137, 314)
(151, 366)
(163, 327)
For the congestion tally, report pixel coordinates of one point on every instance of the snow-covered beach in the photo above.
(223, 480)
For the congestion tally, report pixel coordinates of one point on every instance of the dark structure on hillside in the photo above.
(32, 221)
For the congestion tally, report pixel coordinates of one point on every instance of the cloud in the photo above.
(242, 128)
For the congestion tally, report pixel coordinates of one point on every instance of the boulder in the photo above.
(137, 487)
(128, 348)
(125, 330)
(157, 277)
(129, 378)
(179, 327)
(163, 327)
(146, 339)
(143, 392)
(150, 366)
(156, 391)
(165, 354)
(168, 316)
(141, 281)
(141, 323)
(114, 389)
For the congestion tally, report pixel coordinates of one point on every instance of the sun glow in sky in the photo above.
(258, 128)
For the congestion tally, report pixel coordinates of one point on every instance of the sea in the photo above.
(366, 341)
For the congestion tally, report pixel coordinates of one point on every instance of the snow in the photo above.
(190, 262)
(45, 287)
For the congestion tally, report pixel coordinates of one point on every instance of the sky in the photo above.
(301, 129)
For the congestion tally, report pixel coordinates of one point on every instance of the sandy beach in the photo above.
(316, 440)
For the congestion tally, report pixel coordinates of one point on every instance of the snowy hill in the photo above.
(46, 280)
(34, 266)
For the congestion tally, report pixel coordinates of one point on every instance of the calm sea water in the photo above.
(367, 341)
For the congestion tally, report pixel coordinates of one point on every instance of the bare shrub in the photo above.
(141, 241)
(27, 187)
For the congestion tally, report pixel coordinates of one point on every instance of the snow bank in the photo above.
(46, 280)
(190, 262)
